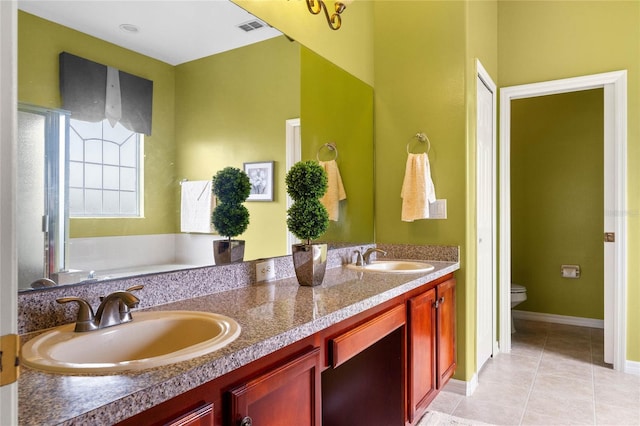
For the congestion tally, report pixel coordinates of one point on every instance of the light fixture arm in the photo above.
(334, 20)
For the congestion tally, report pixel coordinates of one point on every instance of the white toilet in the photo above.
(518, 295)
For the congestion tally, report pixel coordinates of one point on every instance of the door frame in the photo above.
(8, 145)
(615, 171)
(293, 139)
(483, 75)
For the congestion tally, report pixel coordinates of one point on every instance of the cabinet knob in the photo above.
(437, 303)
(246, 421)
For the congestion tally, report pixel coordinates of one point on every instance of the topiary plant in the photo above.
(232, 187)
(307, 217)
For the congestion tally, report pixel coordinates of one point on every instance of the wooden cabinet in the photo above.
(431, 345)
(201, 416)
(365, 383)
(286, 395)
(351, 343)
(446, 331)
(384, 365)
(422, 352)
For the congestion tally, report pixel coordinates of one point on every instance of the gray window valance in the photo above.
(83, 86)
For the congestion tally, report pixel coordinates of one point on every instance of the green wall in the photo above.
(39, 44)
(420, 71)
(419, 56)
(482, 46)
(337, 107)
(351, 47)
(580, 38)
(557, 181)
(425, 65)
(423, 80)
(231, 109)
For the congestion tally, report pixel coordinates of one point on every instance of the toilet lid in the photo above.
(517, 288)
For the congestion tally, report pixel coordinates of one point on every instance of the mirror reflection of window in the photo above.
(105, 178)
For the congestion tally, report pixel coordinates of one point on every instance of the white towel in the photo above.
(335, 190)
(196, 206)
(417, 189)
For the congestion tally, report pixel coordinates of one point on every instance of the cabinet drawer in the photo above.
(201, 416)
(351, 343)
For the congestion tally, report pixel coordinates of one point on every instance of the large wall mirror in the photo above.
(251, 102)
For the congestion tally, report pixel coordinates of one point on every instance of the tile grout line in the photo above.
(456, 406)
(535, 377)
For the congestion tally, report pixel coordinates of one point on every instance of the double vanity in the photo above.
(373, 342)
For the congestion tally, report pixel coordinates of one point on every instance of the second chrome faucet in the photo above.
(365, 258)
(114, 309)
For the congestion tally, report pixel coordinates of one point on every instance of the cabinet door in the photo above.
(446, 331)
(422, 352)
(287, 395)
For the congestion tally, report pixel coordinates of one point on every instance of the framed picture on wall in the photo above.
(261, 178)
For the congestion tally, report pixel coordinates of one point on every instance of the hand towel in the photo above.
(335, 190)
(417, 189)
(196, 206)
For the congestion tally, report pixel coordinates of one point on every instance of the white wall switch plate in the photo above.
(438, 209)
(265, 271)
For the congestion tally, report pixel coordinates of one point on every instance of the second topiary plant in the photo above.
(308, 219)
(231, 186)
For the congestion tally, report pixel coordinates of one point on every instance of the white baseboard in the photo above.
(632, 367)
(461, 387)
(558, 319)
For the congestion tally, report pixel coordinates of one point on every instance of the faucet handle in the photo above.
(130, 289)
(125, 310)
(85, 319)
(358, 254)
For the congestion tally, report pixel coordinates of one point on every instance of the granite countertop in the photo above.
(272, 315)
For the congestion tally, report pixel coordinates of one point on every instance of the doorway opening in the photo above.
(615, 175)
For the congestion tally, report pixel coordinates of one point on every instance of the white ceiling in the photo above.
(172, 31)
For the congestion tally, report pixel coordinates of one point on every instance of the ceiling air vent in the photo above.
(252, 25)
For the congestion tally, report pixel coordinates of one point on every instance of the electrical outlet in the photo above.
(438, 209)
(265, 271)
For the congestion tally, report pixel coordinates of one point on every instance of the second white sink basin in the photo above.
(152, 339)
(395, 266)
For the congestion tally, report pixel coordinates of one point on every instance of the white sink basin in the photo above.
(395, 266)
(152, 339)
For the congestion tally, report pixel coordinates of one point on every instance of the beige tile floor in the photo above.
(554, 375)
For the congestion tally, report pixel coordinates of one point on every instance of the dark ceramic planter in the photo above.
(310, 263)
(228, 251)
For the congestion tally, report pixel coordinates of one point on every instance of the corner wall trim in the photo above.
(461, 387)
(558, 319)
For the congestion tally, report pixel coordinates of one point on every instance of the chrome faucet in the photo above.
(114, 309)
(43, 283)
(366, 257)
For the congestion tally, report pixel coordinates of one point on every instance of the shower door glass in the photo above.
(42, 215)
